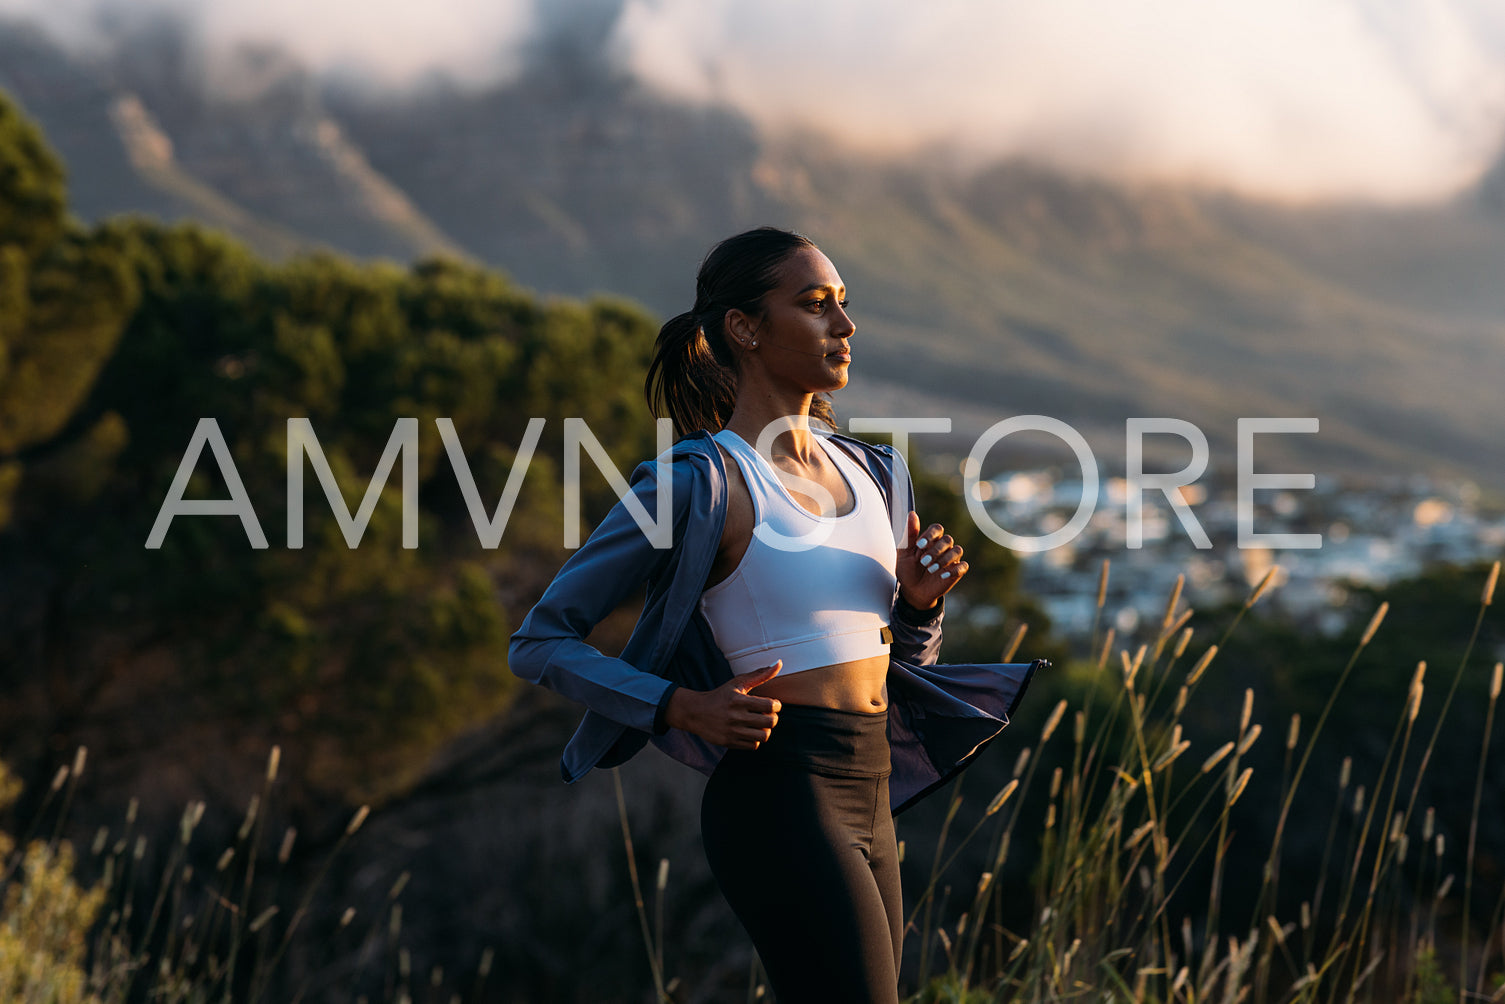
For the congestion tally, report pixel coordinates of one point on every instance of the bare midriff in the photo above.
(859, 685)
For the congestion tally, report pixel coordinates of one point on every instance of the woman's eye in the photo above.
(820, 305)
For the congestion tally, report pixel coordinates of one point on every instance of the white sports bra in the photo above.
(811, 590)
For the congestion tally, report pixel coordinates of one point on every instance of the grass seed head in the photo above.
(1216, 757)
(262, 918)
(1001, 797)
(1201, 666)
(1102, 656)
(1240, 784)
(1053, 721)
(1014, 642)
(1021, 761)
(1264, 583)
(1169, 756)
(1170, 606)
(252, 808)
(1374, 623)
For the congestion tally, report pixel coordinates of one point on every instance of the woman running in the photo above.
(788, 641)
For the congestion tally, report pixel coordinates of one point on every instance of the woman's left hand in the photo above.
(929, 565)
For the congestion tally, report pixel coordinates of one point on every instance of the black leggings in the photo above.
(800, 837)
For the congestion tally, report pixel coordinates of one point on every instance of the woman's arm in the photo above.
(917, 633)
(549, 648)
(924, 575)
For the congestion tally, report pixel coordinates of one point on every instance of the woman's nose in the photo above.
(845, 323)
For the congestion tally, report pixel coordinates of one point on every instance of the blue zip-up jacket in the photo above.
(940, 715)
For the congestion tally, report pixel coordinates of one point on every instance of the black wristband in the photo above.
(913, 615)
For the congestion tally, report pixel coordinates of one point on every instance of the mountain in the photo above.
(979, 294)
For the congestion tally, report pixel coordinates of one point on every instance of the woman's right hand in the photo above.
(728, 716)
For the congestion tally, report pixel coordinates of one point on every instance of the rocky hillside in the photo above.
(982, 294)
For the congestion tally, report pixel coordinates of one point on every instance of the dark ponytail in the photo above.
(693, 375)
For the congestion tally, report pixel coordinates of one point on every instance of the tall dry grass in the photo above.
(1133, 853)
(1128, 832)
(200, 935)
(1138, 815)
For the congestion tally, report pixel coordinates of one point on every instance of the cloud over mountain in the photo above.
(1372, 99)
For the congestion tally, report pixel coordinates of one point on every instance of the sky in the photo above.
(1390, 100)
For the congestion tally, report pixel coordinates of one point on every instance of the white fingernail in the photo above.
(933, 569)
(925, 560)
(945, 575)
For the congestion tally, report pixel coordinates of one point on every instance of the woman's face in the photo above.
(804, 331)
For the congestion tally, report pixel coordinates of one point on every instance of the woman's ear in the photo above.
(740, 329)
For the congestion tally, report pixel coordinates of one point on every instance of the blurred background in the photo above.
(357, 212)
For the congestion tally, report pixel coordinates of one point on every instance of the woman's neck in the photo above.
(756, 412)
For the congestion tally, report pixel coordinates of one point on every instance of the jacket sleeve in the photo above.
(549, 648)
(917, 633)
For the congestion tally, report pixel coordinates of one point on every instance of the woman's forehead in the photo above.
(806, 269)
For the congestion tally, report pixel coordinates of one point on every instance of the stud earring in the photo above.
(755, 343)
